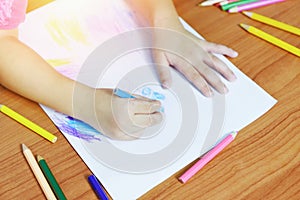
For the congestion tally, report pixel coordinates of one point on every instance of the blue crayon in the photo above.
(97, 187)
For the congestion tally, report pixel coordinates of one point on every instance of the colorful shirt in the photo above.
(12, 13)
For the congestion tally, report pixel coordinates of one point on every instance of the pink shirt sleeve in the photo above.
(12, 13)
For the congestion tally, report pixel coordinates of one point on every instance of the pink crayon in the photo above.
(253, 5)
(207, 157)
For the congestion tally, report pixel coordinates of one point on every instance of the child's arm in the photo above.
(26, 73)
(162, 14)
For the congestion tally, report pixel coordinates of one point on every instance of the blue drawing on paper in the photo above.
(76, 128)
(158, 96)
(151, 94)
(146, 92)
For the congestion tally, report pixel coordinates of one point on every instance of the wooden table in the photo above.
(263, 161)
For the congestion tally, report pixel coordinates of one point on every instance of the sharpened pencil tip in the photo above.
(244, 26)
(233, 10)
(54, 140)
(24, 147)
(38, 157)
(209, 2)
(181, 180)
(234, 134)
(249, 14)
(204, 4)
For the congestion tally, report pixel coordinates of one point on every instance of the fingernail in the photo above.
(225, 89)
(166, 85)
(233, 77)
(208, 93)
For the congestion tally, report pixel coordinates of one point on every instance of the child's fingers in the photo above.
(162, 68)
(140, 106)
(219, 49)
(208, 74)
(120, 135)
(213, 47)
(146, 120)
(200, 70)
(142, 97)
(191, 73)
(219, 66)
(213, 79)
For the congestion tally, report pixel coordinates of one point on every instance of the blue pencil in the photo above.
(97, 187)
(122, 93)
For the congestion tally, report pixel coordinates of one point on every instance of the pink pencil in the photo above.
(253, 5)
(207, 157)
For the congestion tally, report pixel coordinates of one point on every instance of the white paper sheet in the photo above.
(65, 35)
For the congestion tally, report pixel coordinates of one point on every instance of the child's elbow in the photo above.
(9, 33)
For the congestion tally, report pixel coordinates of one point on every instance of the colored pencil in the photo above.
(122, 94)
(273, 40)
(273, 22)
(209, 2)
(27, 123)
(253, 5)
(38, 173)
(226, 2)
(207, 157)
(237, 3)
(50, 178)
(97, 187)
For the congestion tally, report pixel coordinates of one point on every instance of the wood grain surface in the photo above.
(262, 163)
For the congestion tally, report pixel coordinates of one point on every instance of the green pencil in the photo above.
(236, 3)
(50, 178)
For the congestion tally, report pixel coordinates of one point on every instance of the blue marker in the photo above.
(97, 187)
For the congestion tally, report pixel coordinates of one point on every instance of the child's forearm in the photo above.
(159, 13)
(26, 73)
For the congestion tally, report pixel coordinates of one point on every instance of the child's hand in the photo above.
(121, 118)
(203, 66)
(201, 71)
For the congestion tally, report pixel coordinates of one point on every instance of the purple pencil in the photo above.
(253, 5)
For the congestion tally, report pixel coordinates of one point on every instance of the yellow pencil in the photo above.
(265, 36)
(38, 173)
(22, 120)
(273, 22)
